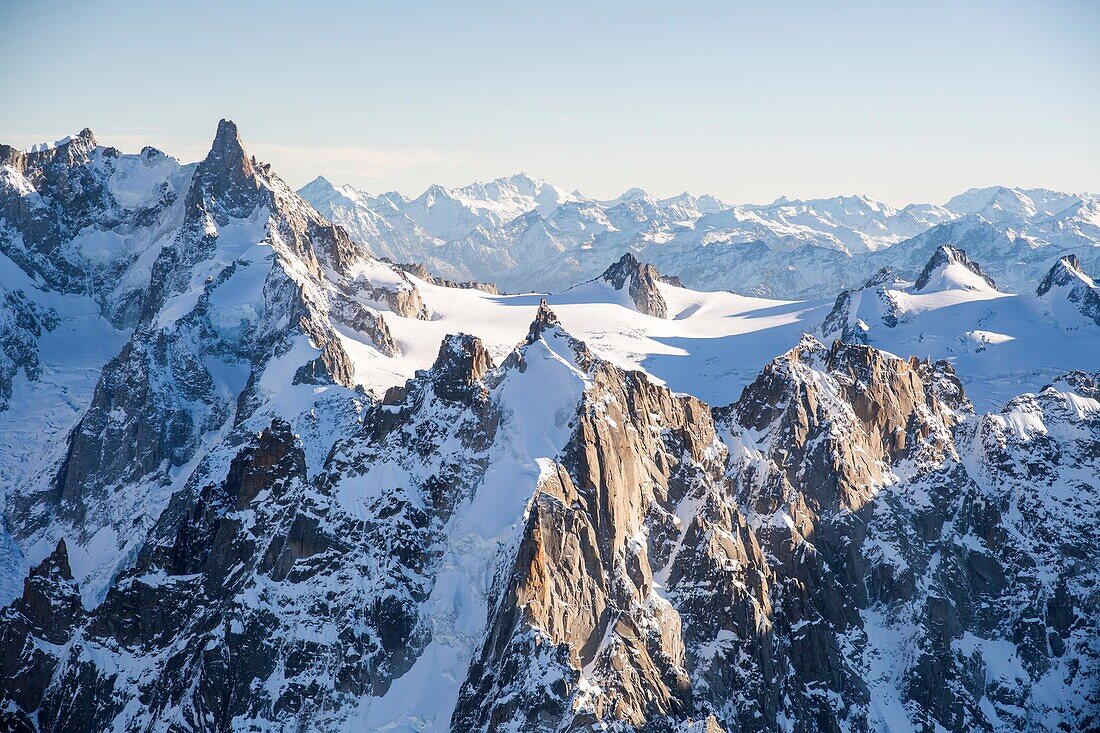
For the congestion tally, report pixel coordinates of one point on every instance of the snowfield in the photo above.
(713, 345)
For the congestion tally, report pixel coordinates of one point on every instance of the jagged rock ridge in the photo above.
(943, 258)
(640, 280)
(244, 282)
(1068, 281)
(419, 270)
(663, 567)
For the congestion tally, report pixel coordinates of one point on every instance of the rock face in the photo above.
(1068, 287)
(846, 320)
(593, 622)
(265, 578)
(846, 547)
(641, 283)
(944, 257)
(243, 282)
(878, 467)
(33, 631)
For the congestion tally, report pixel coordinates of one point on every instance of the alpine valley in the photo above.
(509, 458)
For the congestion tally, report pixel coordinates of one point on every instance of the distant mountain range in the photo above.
(527, 235)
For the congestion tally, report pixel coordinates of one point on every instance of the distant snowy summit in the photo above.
(1071, 293)
(950, 268)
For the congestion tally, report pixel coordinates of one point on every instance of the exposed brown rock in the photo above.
(641, 280)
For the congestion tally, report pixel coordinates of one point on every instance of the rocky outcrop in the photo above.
(184, 592)
(944, 256)
(359, 317)
(547, 326)
(22, 322)
(897, 534)
(641, 280)
(419, 270)
(227, 176)
(33, 632)
(1068, 283)
(584, 631)
(461, 363)
(816, 437)
(844, 321)
(874, 410)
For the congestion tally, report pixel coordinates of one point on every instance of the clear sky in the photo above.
(910, 101)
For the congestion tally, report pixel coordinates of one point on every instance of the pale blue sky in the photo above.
(899, 101)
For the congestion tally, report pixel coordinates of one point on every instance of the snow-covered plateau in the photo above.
(509, 458)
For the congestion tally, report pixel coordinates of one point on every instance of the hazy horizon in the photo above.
(900, 104)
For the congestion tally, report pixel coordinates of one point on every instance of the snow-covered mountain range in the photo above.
(260, 471)
(527, 235)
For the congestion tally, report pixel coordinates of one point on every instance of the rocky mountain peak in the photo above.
(808, 344)
(935, 272)
(227, 145)
(320, 191)
(816, 388)
(70, 150)
(462, 361)
(641, 280)
(1070, 292)
(618, 273)
(32, 632)
(56, 564)
(546, 327)
(50, 598)
(1066, 271)
(831, 425)
(882, 277)
(150, 153)
(82, 142)
(227, 176)
(1083, 383)
(845, 320)
(545, 319)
